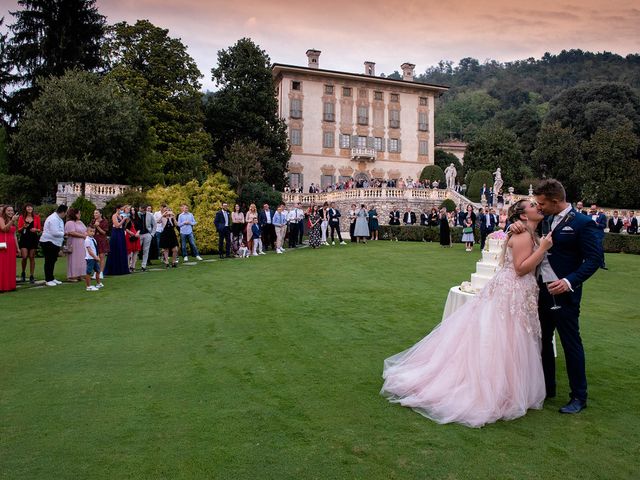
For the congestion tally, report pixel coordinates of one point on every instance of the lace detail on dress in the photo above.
(518, 293)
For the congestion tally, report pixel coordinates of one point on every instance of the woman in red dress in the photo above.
(133, 239)
(8, 248)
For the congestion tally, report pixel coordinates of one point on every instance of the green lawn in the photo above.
(269, 368)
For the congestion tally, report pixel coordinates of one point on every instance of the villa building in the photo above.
(343, 125)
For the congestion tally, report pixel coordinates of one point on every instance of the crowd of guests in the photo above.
(375, 183)
(115, 245)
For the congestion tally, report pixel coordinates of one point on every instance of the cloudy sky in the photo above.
(387, 32)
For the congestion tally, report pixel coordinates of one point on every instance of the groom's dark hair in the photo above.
(551, 189)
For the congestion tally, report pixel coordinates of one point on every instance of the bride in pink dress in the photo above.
(482, 363)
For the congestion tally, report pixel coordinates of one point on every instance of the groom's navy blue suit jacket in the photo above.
(577, 252)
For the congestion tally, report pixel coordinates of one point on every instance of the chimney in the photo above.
(407, 71)
(370, 69)
(313, 56)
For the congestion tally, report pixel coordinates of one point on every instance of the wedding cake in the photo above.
(489, 265)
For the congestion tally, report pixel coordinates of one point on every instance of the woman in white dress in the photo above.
(483, 362)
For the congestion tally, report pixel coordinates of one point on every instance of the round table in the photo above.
(455, 300)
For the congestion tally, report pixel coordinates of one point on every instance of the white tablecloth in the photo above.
(455, 300)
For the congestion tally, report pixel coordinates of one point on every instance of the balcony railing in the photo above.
(394, 123)
(360, 153)
(329, 117)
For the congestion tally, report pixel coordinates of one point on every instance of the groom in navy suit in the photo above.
(576, 254)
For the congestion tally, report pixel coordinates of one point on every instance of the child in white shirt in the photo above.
(93, 261)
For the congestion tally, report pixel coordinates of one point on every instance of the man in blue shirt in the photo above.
(186, 221)
(280, 225)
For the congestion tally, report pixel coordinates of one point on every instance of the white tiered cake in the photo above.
(489, 265)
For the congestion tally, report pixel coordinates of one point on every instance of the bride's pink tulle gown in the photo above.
(482, 363)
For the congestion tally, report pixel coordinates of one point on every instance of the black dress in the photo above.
(168, 238)
(28, 239)
(445, 232)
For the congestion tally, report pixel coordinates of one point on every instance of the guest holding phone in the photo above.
(8, 248)
(30, 228)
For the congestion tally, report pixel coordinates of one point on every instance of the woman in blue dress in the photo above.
(117, 260)
(373, 222)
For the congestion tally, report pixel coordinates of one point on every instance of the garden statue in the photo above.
(450, 174)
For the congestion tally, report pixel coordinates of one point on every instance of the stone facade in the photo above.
(344, 125)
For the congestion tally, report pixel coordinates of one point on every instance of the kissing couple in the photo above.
(493, 358)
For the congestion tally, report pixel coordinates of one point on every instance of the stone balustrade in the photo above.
(97, 193)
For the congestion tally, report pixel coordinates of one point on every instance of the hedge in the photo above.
(621, 242)
(416, 233)
(613, 242)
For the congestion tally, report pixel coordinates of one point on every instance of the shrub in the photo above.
(449, 204)
(616, 243)
(129, 197)
(86, 208)
(480, 177)
(45, 210)
(416, 233)
(432, 172)
(203, 201)
(259, 193)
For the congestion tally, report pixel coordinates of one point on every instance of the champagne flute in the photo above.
(553, 297)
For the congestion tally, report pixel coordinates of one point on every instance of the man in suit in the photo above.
(265, 221)
(487, 225)
(632, 229)
(394, 217)
(581, 209)
(223, 227)
(334, 223)
(409, 217)
(598, 217)
(147, 233)
(615, 223)
(576, 254)
(424, 218)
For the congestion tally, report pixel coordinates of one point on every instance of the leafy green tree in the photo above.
(557, 153)
(245, 108)
(5, 76)
(462, 114)
(259, 193)
(525, 121)
(156, 68)
(609, 173)
(588, 107)
(496, 147)
(242, 162)
(49, 38)
(82, 128)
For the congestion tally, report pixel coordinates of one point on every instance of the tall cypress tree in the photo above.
(50, 37)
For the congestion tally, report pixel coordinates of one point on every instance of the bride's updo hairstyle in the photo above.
(516, 210)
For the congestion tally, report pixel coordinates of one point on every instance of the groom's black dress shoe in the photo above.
(574, 406)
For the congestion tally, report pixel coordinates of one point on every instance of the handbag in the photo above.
(467, 230)
(67, 248)
(3, 245)
(132, 238)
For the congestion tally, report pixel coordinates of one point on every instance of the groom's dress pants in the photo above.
(565, 320)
